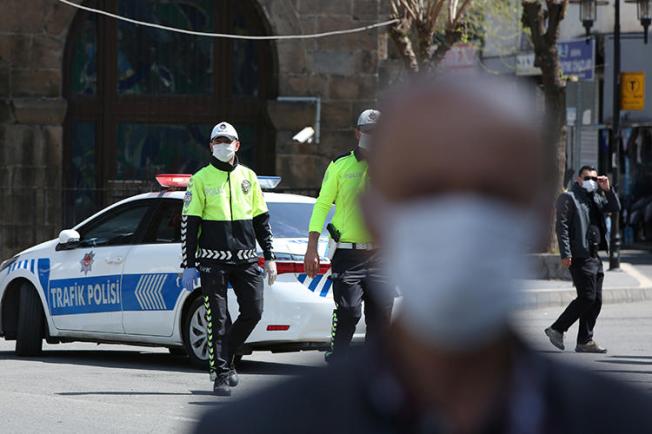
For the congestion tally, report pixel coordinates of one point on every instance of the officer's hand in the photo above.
(603, 182)
(566, 262)
(311, 262)
(189, 277)
(270, 271)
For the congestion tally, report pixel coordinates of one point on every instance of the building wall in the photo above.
(343, 71)
(32, 110)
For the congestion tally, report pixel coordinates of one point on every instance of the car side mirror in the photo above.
(68, 239)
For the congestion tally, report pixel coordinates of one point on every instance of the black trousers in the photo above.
(587, 274)
(357, 278)
(225, 337)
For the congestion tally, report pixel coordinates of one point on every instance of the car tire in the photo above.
(31, 320)
(194, 334)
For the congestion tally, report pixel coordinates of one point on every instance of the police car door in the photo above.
(151, 286)
(85, 282)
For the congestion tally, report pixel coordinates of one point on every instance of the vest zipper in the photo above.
(228, 177)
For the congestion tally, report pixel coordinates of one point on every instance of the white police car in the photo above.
(115, 278)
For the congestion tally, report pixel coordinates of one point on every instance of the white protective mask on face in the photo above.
(224, 151)
(365, 141)
(455, 260)
(590, 185)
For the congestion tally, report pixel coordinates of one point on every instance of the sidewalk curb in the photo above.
(536, 298)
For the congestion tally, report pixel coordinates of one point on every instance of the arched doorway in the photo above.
(142, 101)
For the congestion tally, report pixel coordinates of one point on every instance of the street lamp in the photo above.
(644, 14)
(588, 13)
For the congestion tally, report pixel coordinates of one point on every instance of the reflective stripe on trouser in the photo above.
(333, 328)
(209, 336)
(357, 278)
(225, 337)
(217, 320)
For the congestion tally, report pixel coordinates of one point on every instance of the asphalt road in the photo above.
(105, 389)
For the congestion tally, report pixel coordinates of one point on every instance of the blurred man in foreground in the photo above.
(455, 225)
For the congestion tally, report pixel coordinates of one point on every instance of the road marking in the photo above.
(643, 280)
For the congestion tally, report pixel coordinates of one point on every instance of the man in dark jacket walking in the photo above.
(582, 233)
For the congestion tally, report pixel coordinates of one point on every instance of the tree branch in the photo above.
(460, 12)
(451, 37)
(556, 13)
(400, 33)
(533, 19)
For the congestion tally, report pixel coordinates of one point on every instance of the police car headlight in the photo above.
(5, 264)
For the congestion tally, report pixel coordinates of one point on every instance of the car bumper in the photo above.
(307, 316)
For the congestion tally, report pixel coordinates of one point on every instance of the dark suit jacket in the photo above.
(574, 220)
(343, 400)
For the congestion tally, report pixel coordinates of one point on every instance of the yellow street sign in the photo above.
(632, 91)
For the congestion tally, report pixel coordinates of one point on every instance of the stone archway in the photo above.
(143, 101)
(32, 111)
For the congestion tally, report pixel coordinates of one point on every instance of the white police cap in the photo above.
(368, 117)
(224, 129)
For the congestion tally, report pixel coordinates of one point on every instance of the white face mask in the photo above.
(455, 260)
(365, 141)
(590, 185)
(224, 151)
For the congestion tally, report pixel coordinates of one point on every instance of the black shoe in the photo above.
(234, 380)
(221, 386)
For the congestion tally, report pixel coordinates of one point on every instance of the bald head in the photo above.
(468, 135)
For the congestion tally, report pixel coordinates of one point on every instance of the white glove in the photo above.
(270, 272)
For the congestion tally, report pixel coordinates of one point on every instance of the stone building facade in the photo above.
(37, 111)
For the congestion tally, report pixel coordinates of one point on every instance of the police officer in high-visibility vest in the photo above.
(224, 214)
(356, 272)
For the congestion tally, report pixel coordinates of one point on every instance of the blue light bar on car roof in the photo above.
(269, 182)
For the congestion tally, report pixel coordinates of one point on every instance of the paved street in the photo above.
(624, 329)
(106, 388)
(641, 259)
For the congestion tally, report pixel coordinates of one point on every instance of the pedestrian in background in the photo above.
(455, 229)
(356, 271)
(224, 214)
(582, 233)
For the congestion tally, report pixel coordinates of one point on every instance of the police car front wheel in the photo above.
(31, 320)
(195, 338)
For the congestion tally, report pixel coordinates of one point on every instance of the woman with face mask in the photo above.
(224, 213)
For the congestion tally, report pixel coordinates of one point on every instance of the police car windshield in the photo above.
(290, 220)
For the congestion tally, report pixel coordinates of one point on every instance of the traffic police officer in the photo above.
(355, 269)
(224, 214)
